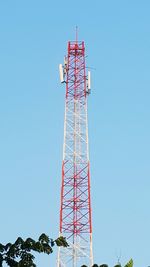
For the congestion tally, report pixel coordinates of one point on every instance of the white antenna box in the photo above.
(61, 73)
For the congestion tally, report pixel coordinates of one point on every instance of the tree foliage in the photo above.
(129, 264)
(20, 253)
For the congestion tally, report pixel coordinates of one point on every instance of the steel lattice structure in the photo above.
(75, 210)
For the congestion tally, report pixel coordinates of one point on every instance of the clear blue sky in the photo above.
(33, 41)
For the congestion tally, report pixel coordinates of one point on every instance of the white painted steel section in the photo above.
(76, 149)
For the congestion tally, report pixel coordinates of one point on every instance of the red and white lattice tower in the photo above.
(75, 209)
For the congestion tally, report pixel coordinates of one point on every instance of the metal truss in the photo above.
(75, 210)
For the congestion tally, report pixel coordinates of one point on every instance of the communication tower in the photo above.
(75, 208)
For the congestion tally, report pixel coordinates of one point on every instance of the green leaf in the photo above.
(12, 251)
(11, 262)
(129, 264)
(19, 241)
(1, 260)
(38, 247)
(24, 263)
(2, 247)
(44, 238)
(47, 249)
(8, 246)
(52, 243)
(27, 257)
(61, 241)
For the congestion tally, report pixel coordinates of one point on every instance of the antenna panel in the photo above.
(61, 73)
(89, 80)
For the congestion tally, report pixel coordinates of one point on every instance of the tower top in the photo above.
(76, 34)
